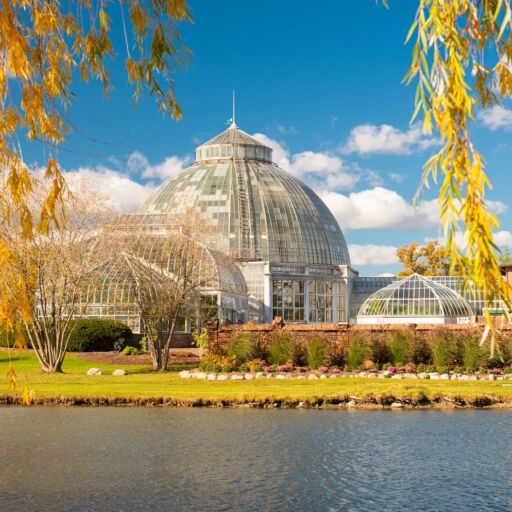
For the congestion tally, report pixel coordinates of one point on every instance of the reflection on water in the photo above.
(283, 460)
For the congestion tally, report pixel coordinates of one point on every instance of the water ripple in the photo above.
(57, 459)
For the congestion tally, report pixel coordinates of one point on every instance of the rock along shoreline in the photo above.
(385, 402)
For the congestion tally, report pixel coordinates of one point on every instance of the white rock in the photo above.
(119, 372)
(491, 376)
(300, 377)
(372, 376)
(352, 403)
(222, 376)
(200, 375)
(397, 405)
(500, 377)
(237, 376)
(464, 377)
(423, 375)
(445, 376)
(259, 375)
(323, 376)
(312, 376)
(94, 371)
(270, 376)
(302, 404)
(249, 376)
(211, 376)
(185, 374)
(333, 376)
(362, 374)
(410, 376)
(387, 374)
(434, 376)
(280, 376)
(397, 376)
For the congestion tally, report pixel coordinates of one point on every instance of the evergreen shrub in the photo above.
(97, 335)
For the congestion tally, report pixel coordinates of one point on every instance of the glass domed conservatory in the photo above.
(284, 239)
(278, 249)
(415, 300)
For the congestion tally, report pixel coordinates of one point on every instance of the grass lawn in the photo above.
(141, 383)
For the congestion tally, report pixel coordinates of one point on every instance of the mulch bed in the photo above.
(177, 356)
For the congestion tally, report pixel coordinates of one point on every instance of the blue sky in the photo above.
(321, 83)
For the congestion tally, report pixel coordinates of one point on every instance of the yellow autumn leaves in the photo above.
(453, 38)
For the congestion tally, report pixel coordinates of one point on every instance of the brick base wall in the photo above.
(337, 335)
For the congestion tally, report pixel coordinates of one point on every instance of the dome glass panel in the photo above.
(415, 296)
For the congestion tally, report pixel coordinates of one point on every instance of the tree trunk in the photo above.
(52, 368)
(50, 362)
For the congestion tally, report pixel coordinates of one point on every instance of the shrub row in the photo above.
(441, 350)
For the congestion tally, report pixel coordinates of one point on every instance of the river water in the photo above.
(85, 459)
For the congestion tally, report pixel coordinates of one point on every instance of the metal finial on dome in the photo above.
(233, 118)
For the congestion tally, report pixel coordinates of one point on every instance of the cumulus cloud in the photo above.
(503, 238)
(169, 168)
(320, 170)
(496, 117)
(380, 207)
(122, 192)
(127, 186)
(383, 208)
(371, 254)
(369, 139)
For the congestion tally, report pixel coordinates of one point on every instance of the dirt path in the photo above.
(176, 356)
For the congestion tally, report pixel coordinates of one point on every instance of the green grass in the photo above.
(142, 383)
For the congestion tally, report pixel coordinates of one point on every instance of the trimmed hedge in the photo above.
(97, 335)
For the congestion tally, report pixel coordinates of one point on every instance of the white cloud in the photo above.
(503, 238)
(123, 193)
(380, 207)
(320, 170)
(169, 168)
(496, 117)
(127, 186)
(371, 254)
(396, 177)
(287, 130)
(497, 207)
(369, 139)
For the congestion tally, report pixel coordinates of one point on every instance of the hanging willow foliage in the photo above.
(454, 42)
(44, 46)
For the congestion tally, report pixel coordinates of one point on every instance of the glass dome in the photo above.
(259, 211)
(109, 291)
(414, 299)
